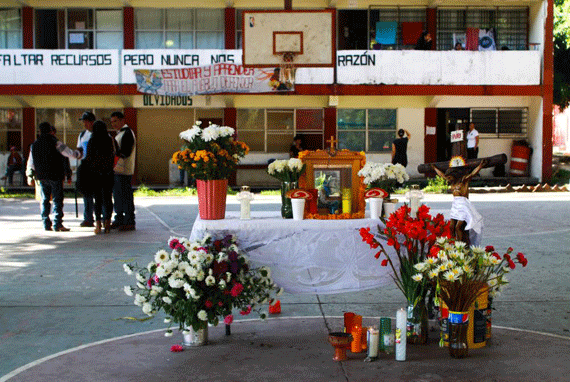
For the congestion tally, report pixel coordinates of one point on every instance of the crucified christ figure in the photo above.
(464, 217)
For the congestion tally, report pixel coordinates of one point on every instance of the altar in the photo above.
(305, 256)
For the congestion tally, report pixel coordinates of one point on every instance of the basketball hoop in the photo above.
(287, 69)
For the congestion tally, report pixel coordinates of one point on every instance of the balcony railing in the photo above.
(406, 67)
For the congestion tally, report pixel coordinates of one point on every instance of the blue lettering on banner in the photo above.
(81, 59)
(138, 59)
(356, 60)
(22, 60)
(215, 59)
(180, 60)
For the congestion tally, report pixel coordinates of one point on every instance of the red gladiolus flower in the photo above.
(496, 255)
(246, 312)
(433, 252)
(236, 290)
(521, 259)
(176, 348)
(384, 263)
(391, 242)
(208, 304)
(507, 257)
(489, 248)
(511, 264)
(510, 249)
(378, 254)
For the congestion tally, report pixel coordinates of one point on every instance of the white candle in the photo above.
(373, 342)
(401, 318)
(245, 209)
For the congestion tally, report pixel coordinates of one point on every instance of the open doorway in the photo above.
(447, 119)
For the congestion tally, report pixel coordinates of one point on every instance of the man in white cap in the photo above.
(88, 119)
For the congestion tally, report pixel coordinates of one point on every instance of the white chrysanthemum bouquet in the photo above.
(197, 283)
(383, 175)
(287, 170)
(209, 153)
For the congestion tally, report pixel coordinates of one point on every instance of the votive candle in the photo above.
(348, 317)
(355, 345)
(401, 317)
(373, 342)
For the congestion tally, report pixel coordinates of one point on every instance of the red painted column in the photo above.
(230, 32)
(28, 28)
(430, 141)
(131, 120)
(330, 124)
(431, 25)
(230, 119)
(128, 28)
(288, 4)
(28, 129)
(547, 93)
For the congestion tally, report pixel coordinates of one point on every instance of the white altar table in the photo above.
(307, 256)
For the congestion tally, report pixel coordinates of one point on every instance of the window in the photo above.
(510, 25)
(10, 29)
(94, 29)
(10, 129)
(272, 130)
(369, 130)
(67, 123)
(501, 122)
(179, 28)
(409, 25)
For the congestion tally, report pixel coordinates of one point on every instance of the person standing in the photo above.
(99, 164)
(400, 148)
(124, 170)
(88, 119)
(424, 42)
(472, 142)
(297, 146)
(46, 164)
(13, 164)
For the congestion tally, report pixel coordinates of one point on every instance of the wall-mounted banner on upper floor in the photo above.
(211, 79)
(418, 67)
(19, 66)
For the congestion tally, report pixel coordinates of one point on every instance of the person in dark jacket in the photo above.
(424, 42)
(46, 164)
(99, 163)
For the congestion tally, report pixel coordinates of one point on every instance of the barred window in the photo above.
(179, 28)
(501, 122)
(10, 29)
(272, 130)
(401, 16)
(510, 25)
(369, 130)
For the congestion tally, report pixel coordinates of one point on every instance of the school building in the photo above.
(60, 58)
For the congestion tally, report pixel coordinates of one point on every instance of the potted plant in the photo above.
(210, 155)
(460, 275)
(411, 239)
(198, 283)
(288, 172)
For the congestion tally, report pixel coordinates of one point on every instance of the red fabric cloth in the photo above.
(472, 39)
(411, 31)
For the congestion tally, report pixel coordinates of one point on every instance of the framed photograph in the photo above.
(333, 173)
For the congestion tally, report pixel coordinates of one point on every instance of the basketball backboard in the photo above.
(271, 37)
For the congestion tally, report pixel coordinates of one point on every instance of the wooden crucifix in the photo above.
(332, 150)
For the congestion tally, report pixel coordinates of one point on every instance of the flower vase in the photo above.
(212, 198)
(417, 323)
(286, 207)
(193, 337)
(458, 326)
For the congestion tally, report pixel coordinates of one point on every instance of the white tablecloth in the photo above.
(308, 256)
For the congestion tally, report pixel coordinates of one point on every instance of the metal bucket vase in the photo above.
(212, 198)
(195, 337)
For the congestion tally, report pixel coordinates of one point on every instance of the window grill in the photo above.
(501, 122)
(399, 15)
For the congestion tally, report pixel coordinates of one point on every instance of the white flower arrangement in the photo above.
(375, 173)
(199, 282)
(286, 170)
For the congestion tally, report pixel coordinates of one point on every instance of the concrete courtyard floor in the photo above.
(63, 313)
